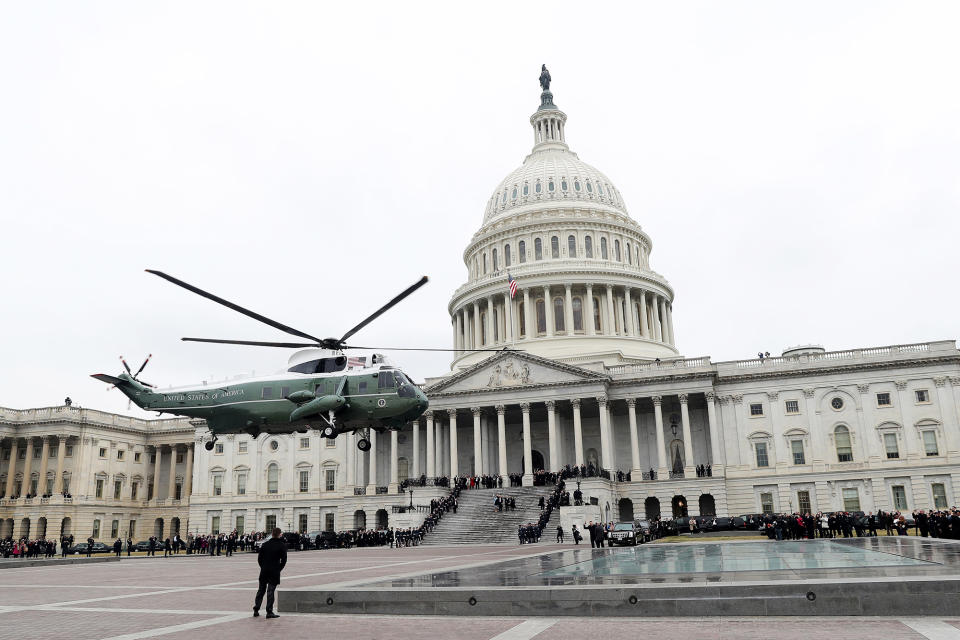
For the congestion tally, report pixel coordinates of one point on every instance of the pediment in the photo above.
(512, 369)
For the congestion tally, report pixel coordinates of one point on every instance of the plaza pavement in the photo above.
(211, 597)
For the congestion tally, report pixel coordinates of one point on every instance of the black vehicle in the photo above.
(646, 531)
(144, 545)
(722, 524)
(98, 547)
(623, 533)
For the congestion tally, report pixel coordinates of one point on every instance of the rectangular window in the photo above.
(120, 454)
(796, 447)
(215, 524)
(792, 406)
(114, 529)
(68, 451)
(939, 496)
(899, 497)
(238, 524)
(331, 443)
(304, 443)
(270, 523)
(136, 456)
(922, 396)
(49, 486)
(96, 529)
(241, 447)
(362, 386)
(218, 485)
(103, 452)
(851, 500)
(241, 484)
(178, 491)
(36, 453)
(930, 443)
(330, 479)
(756, 409)
(179, 458)
(134, 487)
(150, 495)
(284, 392)
(218, 448)
(266, 393)
(328, 522)
(883, 399)
(132, 531)
(66, 485)
(803, 501)
(304, 481)
(117, 488)
(762, 460)
(766, 502)
(891, 446)
(302, 522)
(99, 493)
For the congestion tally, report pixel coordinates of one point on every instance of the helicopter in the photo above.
(321, 389)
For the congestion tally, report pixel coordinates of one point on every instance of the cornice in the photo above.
(838, 369)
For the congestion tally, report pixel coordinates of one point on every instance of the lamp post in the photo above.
(411, 498)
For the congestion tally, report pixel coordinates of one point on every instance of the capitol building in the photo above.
(585, 370)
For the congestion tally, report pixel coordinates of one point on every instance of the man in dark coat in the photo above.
(271, 558)
(117, 546)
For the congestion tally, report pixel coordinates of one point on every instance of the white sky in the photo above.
(795, 164)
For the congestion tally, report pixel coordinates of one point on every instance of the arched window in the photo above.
(589, 187)
(600, 188)
(497, 203)
(841, 436)
(506, 255)
(504, 196)
(537, 188)
(558, 323)
(603, 248)
(577, 314)
(616, 250)
(513, 196)
(484, 263)
(550, 186)
(563, 184)
(596, 314)
(538, 249)
(541, 317)
(273, 478)
(496, 264)
(523, 321)
(629, 256)
(572, 246)
(576, 184)
(554, 247)
(522, 251)
(483, 328)
(588, 246)
(526, 189)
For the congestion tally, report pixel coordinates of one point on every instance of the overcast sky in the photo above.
(796, 166)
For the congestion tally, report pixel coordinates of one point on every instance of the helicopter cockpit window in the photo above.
(385, 380)
(405, 387)
(331, 365)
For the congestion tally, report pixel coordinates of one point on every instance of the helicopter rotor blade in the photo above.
(376, 314)
(235, 307)
(143, 366)
(348, 347)
(255, 343)
(126, 366)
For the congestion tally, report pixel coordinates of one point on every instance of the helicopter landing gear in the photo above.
(363, 444)
(328, 432)
(209, 445)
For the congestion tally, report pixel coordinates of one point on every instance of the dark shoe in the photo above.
(256, 614)
(271, 614)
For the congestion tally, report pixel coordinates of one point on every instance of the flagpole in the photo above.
(512, 328)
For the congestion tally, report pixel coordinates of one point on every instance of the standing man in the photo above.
(272, 557)
(89, 546)
(117, 547)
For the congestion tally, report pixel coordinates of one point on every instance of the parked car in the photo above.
(144, 545)
(623, 533)
(645, 530)
(98, 547)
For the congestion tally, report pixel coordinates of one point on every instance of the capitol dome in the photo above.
(585, 290)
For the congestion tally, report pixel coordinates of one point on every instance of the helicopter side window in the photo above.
(385, 380)
(362, 386)
(266, 393)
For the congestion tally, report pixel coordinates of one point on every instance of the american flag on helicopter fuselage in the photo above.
(513, 286)
(356, 362)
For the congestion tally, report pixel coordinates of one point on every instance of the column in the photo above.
(577, 430)
(664, 324)
(477, 444)
(172, 480)
(441, 458)
(456, 336)
(350, 461)
(588, 307)
(644, 327)
(502, 444)
(657, 327)
(394, 462)
(416, 450)
(628, 309)
(611, 318)
(457, 330)
(715, 450)
(817, 442)
(688, 466)
(11, 468)
(527, 446)
(568, 310)
(661, 445)
(44, 459)
(188, 475)
(158, 456)
(477, 330)
(669, 309)
(454, 451)
(431, 454)
(491, 339)
(61, 458)
(548, 311)
(911, 440)
(635, 472)
(553, 442)
(949, 407)
(530, 328)
(508, 318)
(27, 465)
(605, 450)
(372, 464)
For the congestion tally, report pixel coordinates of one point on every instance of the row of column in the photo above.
(495, 320)
(28, 464)
(441, 439)
(172, 474)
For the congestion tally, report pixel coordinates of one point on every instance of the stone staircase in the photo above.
(476, 521)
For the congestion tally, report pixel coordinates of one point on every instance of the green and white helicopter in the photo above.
(321, 388)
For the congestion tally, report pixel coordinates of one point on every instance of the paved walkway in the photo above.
(197, 597)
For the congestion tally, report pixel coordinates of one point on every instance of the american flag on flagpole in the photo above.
(513, 286)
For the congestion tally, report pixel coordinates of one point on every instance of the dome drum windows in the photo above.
(554, 247)
(576, 184)
(572, 246)
(603, 248)
(538, 249)
(616, 250)
(526, 189)
(496, 265)
(588, 246)
(506, 255)
(541, 317)
(513, 196)
(563, 184)
(578, 315)
(558, 321)
(550, 186)
(538, 188)
(521, 251)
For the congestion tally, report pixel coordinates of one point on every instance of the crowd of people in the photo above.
(843, 524)
(28, 548)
